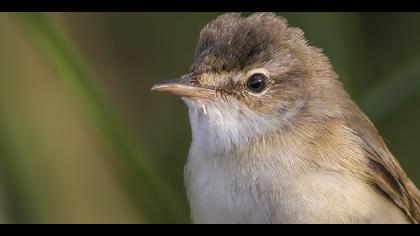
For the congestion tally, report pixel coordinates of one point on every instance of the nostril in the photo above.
(192, 79)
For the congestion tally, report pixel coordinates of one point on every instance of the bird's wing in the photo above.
(384, 171)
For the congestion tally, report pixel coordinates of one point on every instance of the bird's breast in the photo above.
(226, 189)
(217, 196)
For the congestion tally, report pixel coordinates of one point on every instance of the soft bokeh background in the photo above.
(83, 140)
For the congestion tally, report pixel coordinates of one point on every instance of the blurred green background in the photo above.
(83, 140)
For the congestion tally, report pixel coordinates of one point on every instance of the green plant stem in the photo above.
(383, 101)
(69, 66)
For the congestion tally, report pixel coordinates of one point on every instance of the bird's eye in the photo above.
(256, 82)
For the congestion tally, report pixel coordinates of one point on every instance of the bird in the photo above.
(276, 139)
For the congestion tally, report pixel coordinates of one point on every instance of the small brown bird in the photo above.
(276, 138)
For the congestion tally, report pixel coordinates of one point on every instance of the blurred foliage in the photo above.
(69, 67)
(82, 139)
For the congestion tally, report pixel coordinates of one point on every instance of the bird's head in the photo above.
(250, 76)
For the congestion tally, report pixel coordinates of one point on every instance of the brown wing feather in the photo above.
(384, 171)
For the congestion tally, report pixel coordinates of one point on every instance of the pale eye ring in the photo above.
(257, 82)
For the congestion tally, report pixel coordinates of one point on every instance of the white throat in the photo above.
(219, 126)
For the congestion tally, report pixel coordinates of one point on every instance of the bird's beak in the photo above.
(185, 87)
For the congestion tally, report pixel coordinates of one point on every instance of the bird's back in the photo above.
(384, 172)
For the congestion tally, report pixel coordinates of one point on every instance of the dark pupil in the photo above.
(256, 83)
